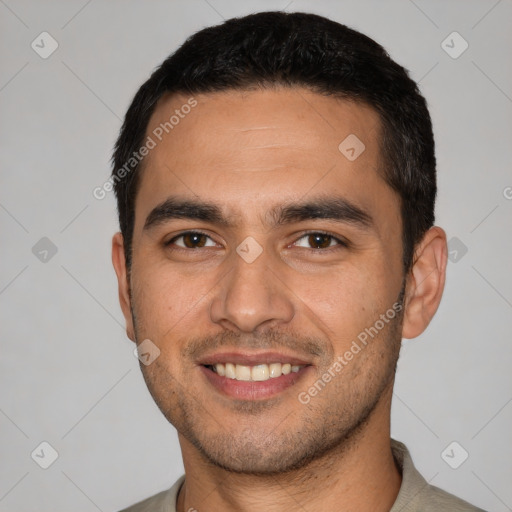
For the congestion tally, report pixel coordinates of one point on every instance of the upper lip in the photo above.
(251, 358)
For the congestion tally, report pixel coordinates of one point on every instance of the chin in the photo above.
(268, 454)
(254, 464)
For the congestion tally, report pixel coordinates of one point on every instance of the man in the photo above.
(275, 180)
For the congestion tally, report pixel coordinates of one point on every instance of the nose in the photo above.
(252, 297)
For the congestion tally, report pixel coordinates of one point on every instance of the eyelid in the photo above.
(341, 241)
(188, 232)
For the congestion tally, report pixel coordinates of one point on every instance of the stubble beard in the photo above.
(324, 427)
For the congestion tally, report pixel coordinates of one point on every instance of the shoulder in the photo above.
(164, 501)
(155, 503)
(416, 494)
(435, 500)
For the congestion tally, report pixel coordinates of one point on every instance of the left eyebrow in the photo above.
(336, 209)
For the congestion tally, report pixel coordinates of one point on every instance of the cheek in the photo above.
(345, 301)
(164, 301)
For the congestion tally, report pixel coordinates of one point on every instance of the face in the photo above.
(263, 255)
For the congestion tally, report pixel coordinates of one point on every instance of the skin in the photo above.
(249, 152)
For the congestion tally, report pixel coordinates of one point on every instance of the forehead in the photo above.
(283, 118)
(260, 147)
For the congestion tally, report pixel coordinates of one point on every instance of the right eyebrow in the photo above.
(175, 208)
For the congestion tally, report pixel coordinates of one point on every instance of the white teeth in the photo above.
(243, 372)
(260, 372)
(274, 370)
(257, 373)
(230, 370)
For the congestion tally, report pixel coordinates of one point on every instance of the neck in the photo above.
(358, 474)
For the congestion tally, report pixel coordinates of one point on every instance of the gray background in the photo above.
(68, 375)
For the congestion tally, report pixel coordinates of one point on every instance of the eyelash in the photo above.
(341, 243)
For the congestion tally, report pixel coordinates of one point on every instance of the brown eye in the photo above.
(319, 240)
(191, 240)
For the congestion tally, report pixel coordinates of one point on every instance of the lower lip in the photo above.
(253, 390)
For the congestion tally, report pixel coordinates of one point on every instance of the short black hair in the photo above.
(269, 49)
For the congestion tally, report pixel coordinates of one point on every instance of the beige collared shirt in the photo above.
(415, 495)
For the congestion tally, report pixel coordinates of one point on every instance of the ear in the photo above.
(119, 262)
(425, 282)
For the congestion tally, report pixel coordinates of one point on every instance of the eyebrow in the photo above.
(333, 208)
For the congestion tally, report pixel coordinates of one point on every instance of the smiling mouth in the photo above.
(246, 375)
(256, 373)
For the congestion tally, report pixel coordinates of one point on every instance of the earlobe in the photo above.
(425, 282)
(119, 262)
